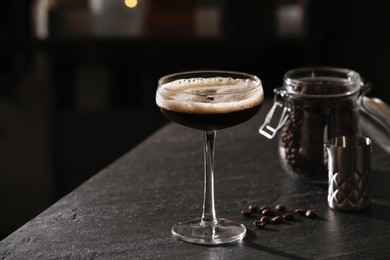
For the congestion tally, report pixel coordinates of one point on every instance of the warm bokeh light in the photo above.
(131, 3)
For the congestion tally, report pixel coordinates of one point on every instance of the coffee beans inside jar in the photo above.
(321, 103)
(309, 125)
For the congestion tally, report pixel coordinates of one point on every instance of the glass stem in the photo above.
(209, 216)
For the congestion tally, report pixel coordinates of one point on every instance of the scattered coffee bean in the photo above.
(310, 214)
(280, 207)
(274, 217)
(259, 224)
(253, 207)
(264, 219)
(301, 211)
(246, 212)
(264, 207)
(289, 217)
(267, 212)
(277, 219)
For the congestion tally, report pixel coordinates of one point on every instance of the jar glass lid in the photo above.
(322, 81)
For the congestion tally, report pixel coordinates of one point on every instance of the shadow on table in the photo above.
(379, 182)
(249, 242)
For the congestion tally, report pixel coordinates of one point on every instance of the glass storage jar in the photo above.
(318, 103)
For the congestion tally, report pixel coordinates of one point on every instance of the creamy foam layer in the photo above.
(209, 95)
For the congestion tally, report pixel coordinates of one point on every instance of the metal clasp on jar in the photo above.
(279, 102)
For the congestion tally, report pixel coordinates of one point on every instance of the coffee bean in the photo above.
(311, 214)
(270, 216)
(280, 207)
(264, 207)
(264, 219)
(253, 207)
(259, 224)
(246, 212)
(277, 219)
(267, 212)
(301, 211)
(289, 217)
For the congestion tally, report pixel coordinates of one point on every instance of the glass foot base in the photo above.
(225, 231)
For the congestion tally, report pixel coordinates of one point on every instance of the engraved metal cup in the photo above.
(349, 163)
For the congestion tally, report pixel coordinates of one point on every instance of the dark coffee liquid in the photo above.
(210, 122)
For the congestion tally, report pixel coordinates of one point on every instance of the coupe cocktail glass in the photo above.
(209, 101)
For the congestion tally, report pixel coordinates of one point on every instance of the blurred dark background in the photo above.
(77, 77)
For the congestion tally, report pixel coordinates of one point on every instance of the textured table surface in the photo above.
(126, 210)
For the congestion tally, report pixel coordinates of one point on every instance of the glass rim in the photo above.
(215, 73)
(354, 81)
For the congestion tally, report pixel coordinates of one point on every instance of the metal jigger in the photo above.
(349, 163)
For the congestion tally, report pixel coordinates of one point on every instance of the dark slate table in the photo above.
(126, 210)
